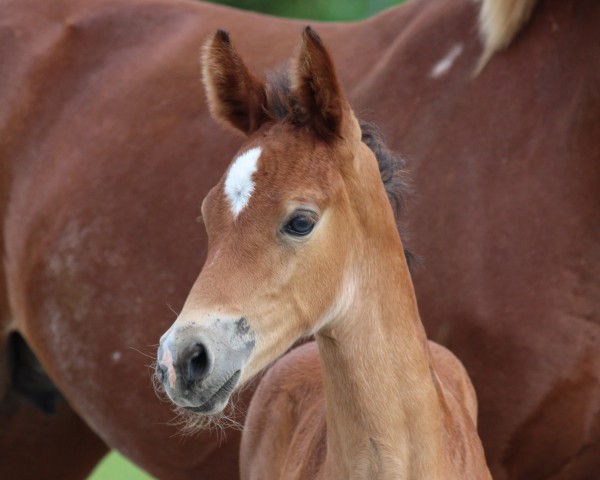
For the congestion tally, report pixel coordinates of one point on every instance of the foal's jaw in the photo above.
(199, 366)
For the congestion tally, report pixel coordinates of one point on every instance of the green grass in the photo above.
(328, 10)
(116, 467)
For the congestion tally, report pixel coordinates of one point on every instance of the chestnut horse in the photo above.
(302, 240)
(107, 148)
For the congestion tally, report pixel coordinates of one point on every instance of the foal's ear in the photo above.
(317, 88)
(235, 96)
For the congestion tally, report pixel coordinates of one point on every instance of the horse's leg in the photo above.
(35, 422)
(61, 444)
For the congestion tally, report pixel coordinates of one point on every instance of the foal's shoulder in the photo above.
(286, 416)
(461, 407)
(454, 378)
(298, 369)
(296, 377)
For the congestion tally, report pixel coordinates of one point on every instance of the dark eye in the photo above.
(301, 224)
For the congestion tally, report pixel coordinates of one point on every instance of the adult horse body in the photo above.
(107, 150)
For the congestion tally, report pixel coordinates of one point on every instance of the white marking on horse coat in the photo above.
(446, 63)
(116, 356)
(239, 184)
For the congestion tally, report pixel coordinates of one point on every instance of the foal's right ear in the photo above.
(235, 96)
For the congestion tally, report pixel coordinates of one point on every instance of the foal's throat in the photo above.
(383, 410)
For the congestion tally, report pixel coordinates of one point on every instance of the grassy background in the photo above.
(114, 466)
(326, 10)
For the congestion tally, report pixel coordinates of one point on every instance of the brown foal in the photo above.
(302, 240)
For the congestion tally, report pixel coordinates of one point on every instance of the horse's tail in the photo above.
(499, 23)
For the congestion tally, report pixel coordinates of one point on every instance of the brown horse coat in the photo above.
(107, 151)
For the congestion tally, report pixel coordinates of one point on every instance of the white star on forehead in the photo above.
(239, 184)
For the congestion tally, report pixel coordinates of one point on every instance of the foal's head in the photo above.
(291, 226)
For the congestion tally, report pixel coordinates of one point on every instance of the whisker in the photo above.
(172, 309)
(152, 357)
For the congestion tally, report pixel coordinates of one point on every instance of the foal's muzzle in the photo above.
(200, 366)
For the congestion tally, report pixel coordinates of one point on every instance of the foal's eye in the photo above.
(301, 224)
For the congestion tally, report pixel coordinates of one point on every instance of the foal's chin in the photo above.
(212, 401)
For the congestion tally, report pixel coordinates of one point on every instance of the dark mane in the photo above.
(392, 168)
(281, 105)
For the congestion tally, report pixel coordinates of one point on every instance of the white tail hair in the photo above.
(499, 23)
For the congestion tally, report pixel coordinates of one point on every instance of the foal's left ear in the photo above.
(235, 96)
(317, 88)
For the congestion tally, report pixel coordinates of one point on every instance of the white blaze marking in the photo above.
(446, 63)
(239, 184)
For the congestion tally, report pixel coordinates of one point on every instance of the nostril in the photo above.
(198, 364)
(161, 372)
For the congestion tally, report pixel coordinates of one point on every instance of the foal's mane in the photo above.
(281, 105)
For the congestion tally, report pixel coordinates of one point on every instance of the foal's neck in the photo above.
(384, 418)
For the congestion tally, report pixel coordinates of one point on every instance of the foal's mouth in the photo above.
(222, 394)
